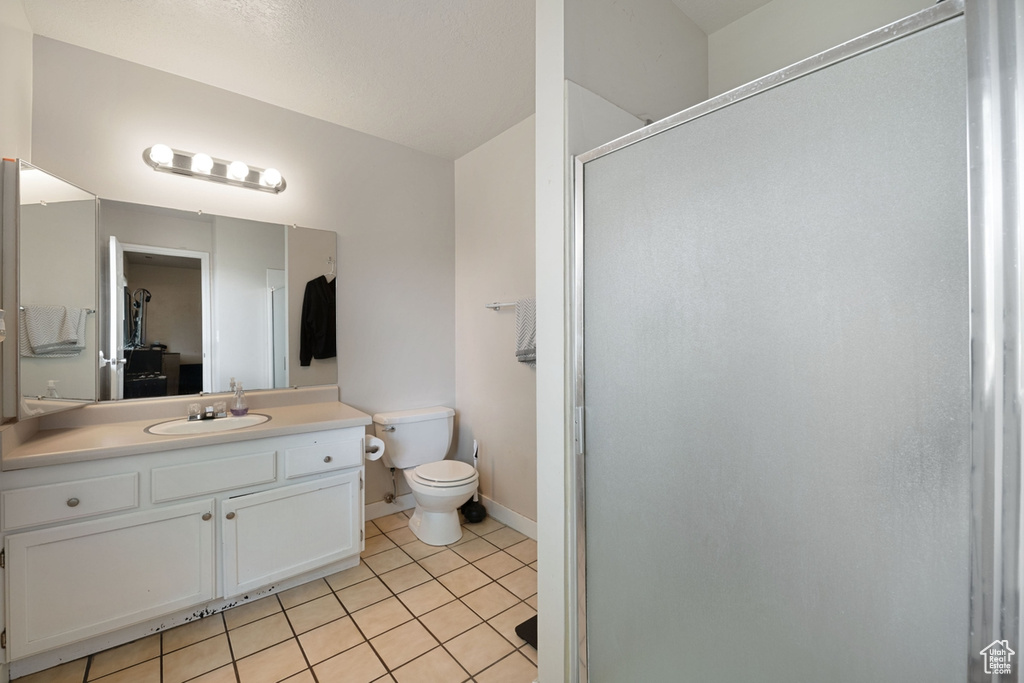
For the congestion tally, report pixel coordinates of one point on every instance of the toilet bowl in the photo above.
(440, 488)
(416, 442)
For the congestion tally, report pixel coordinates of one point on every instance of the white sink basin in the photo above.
(221, 424)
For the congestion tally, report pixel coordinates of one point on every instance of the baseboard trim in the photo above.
(382, 509)
(510, 518)
(499, 512)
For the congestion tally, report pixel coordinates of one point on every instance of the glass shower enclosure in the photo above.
(793, 321)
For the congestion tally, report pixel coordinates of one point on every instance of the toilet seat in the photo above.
(444, 474)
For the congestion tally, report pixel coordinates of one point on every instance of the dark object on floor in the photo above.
(528, 631)
(473, 511)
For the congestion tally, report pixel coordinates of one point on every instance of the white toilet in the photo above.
(416, 441)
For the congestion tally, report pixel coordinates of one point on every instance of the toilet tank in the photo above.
(415, 437)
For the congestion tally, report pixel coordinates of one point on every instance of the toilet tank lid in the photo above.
(417, 415)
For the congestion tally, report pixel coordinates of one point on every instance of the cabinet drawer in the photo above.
(210, 476)
(322, 457)
(70, 500)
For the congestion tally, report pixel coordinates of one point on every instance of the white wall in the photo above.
(392, 207)
(594, 120)
(16, 76)
(785, 31)
(645, 56)
(496, 396)
(575, 115)
(551, 379)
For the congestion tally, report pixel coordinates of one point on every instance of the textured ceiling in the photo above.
(441, 76)
(712, 15)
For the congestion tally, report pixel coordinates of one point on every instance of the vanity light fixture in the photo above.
(202, 163)
(199, 165)
(161, 154)
(271, 178)
(238, 170)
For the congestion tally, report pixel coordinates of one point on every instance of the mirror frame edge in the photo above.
(9, 285)
(10, 291)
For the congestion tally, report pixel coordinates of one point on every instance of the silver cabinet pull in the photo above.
(230, 515)
(73, 502)
(207, 516)
(327, 458)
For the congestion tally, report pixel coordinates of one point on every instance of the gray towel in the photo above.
(526, 332)
(51, 331)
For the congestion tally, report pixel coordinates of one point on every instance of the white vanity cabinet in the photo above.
(107, 550)
(271, 535)
(72, 581)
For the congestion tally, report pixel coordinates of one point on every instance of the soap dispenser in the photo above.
(238, 405)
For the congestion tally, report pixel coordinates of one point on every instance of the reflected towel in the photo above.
(526, 332)
(51, 331)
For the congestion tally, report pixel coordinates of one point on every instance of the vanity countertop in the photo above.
(114, 439)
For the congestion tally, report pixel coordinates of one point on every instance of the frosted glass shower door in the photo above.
(777, 383)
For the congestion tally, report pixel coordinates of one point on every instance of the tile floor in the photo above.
(408, 613)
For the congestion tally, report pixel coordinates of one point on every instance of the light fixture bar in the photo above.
(205, 167)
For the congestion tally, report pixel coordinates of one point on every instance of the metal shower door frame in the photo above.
(995, 53)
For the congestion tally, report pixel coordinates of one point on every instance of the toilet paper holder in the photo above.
(373, 447)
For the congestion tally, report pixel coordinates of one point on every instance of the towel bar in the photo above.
(88, 310)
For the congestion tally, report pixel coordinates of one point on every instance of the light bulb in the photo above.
(202, 163)
(161, 154)
(271, 177)
(238, 170)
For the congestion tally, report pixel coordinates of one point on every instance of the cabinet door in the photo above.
(75, 581)
(277, 534)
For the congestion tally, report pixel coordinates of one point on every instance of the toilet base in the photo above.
(435, 528)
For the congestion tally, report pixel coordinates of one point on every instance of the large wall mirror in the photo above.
(57, 295)
(168, 302)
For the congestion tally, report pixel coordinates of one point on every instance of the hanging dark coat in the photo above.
(319, 330)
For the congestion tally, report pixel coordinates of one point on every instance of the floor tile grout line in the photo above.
(234, 668)
(469, 536)
(457, 598)
(295, 635)
(358, 628)
(227, 635)
(500, 660)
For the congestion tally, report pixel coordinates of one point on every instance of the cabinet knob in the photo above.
(327, 458)
(72, 502)
(230, 515)
(207, 516)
